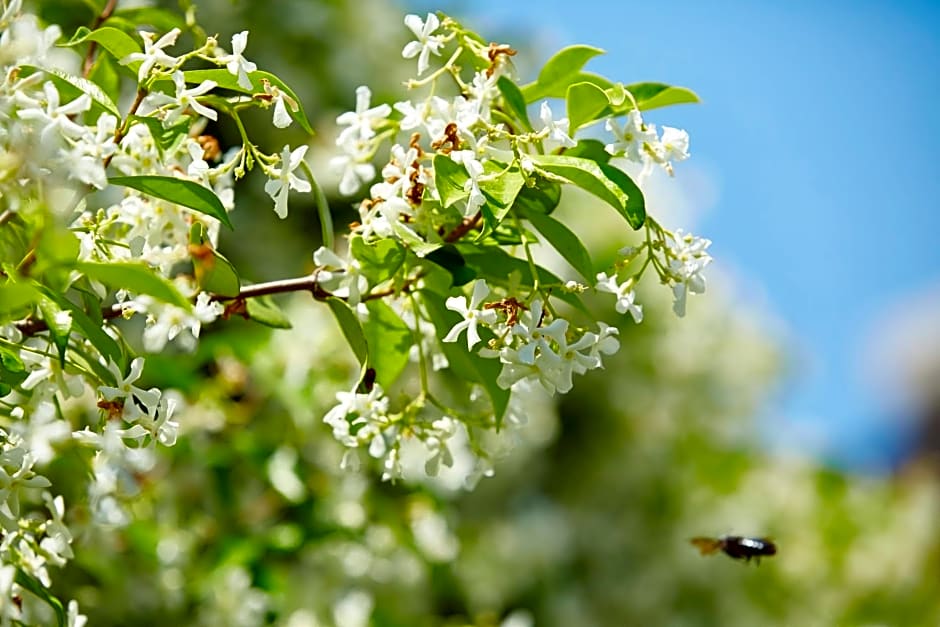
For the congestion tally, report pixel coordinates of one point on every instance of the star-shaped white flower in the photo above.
(472, 315)
(426, 42)
(236, 64)
(277, 188)
(153, 54)
(557, 130)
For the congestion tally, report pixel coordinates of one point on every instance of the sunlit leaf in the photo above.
(186, 193)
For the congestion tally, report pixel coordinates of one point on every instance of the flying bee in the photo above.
(737, 547)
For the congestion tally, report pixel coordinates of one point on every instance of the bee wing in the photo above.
(706, 546)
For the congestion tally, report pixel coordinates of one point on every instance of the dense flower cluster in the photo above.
(116, 199)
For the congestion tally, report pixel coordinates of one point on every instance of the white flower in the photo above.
(635, 140)
(687, 260)
(186, 99)
(341, 278)
(675, 143)
(127, 391)
(471, 313)
(557, 131)
(426, 42)
(51, 114)
(153, 54)
(472, 185)
(624, 293)
(277, 188)
(236, 64)
(354, 172)
(362, 120)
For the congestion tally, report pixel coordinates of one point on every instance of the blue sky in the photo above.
(819, 124)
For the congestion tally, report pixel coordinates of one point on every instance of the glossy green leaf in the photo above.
(218, 276)
(542, 197)
(565, 242)
(227, 80)
(70, 87)
(28, 582)
(380, 260)
(449, 179)
(389, 341)
(186, 193)
(12, 370)
(500, 184)
(449, 258)
(562, 70)
(590, 149)
(264, 310)
(16, 300)
(59, 326)
(584, 101)
(466, 365)
(515, 101)
(91, 328)
(584, 173)
(163, 20)
(118, 43)
(165, 138)
(104, 73)
(351, 327)
(138, 278)
(654, 95)
(635, 209)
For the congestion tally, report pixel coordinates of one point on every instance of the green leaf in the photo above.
(596, 179)
(635, 209)
(585, 101)
(590, 149)
(166, 139)
(584, 173)
(654, 95)
(495, 264)
(16, 300)
(543, 197)
(515, 101)
(562, 70)
(500, 184)
(134, 277)
(91, 329)
(28, 582)
(466, 365)
(104, 73)
(118, 43)
(59, 329)
(449, 179)
(163, 20)
(379, 260)
(264, 311)
(217, 275)
(227, 80)
(565, 242)
(12, 370)
(70, 87)
(351, 327)
(449, 258)
(389, 341)
(186, 193)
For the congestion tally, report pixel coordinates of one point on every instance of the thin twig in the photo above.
(93, 47)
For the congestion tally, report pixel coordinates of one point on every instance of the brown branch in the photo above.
(93, 47)
(466, 225)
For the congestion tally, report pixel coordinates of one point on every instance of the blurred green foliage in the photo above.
(249, 520)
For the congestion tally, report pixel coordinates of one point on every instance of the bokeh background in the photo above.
(798, 399)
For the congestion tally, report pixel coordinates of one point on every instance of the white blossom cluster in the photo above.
(531, 341)
(54, 164)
